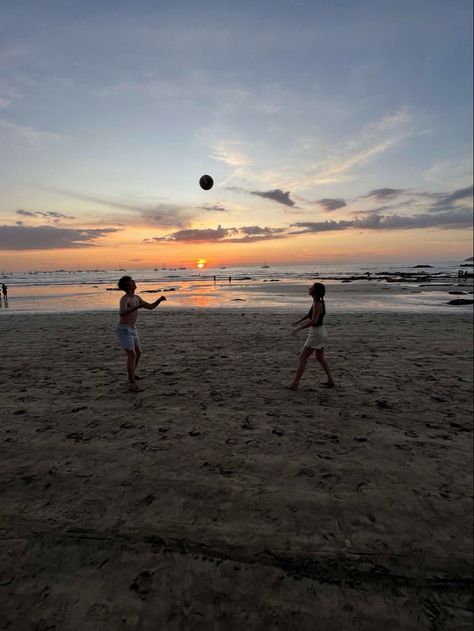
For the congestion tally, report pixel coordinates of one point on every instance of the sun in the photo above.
(200, 263)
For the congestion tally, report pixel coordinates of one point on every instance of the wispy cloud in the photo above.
(13, 133)
(449, 201)
(375, 139)
(52, 215)
(20, 237)
(158, 214)
(229, 152)
(211, 208)
(8, 95)
(454, 172)
(8, 54)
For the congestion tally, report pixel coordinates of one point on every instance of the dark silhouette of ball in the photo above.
(206, 182)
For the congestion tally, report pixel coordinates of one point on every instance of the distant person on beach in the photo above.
(127, 333)
(5, 291)
(317, 336)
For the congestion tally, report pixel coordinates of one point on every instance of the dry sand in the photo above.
(217, 500)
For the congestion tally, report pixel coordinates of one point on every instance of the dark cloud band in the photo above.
(49, 238)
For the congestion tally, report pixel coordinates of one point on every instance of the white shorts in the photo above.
(317, 337)
(128, 336)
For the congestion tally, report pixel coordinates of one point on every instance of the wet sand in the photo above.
(218, 500)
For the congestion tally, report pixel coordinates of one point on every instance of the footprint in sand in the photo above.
(98, 612)
(247, 425)
(142, 584)
(306, 472)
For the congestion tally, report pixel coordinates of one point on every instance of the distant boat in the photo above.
(222, 265)
(265, 266)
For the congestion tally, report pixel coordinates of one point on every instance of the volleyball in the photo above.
(206, 182)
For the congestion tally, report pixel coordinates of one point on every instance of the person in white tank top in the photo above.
(317, 336)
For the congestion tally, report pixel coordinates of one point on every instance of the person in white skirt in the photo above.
(317, 336)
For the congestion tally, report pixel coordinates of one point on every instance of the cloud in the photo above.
(449, 201)
(166, 215)
(51, 215)
(257, 230)
(381, 194)
(245, 234)
(214, 208)
(49, 238)
(227, 152)
(9, 54)
(321, 226)
(331, 204)
(374, 221)
(277, 195)
(21, 133)
(451, 172)
(160, 214)
(8, 95)
(372, 140)
(197, 235)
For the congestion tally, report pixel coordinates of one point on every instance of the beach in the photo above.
(216, 499)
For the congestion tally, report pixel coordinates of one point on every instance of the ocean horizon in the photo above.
(402, 286)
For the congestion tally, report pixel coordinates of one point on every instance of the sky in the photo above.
(335, 131)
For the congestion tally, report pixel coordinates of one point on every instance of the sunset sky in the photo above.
(334, 130)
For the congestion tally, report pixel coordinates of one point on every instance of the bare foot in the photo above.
(292, 386)
(329, 384)
(133, 387)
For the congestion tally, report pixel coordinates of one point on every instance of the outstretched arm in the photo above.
(151, 305)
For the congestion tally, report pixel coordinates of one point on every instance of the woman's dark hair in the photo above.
(320, 290)
(124, 282)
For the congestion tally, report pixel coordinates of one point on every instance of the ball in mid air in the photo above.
(206, 182)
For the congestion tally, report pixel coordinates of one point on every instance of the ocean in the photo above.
(403, 286)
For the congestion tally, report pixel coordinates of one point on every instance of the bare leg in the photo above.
(321, 359)
(137, 357)
(305, 353)
(131, 363)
